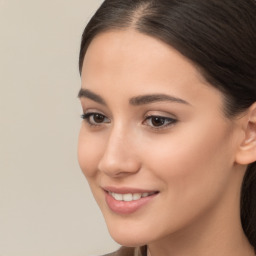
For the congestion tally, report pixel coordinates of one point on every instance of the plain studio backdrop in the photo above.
(46, 207)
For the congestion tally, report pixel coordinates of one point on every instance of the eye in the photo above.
(158, 122)
(95, 119)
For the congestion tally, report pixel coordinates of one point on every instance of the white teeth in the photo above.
(118, 197)
(136, 196)
(129, 197)
(145, 194)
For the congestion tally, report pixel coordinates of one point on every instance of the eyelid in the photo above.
(90, 111)
(162, 114)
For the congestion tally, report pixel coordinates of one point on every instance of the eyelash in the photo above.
(166, 121)
(87, 117)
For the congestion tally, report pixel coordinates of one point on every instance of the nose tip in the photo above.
(119, 159)
(115, 168)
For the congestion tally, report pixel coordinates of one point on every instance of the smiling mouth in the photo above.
(127, 200)
(130, 197)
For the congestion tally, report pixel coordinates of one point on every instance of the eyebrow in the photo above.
(151, 98)
(85, 93)
(135, 101)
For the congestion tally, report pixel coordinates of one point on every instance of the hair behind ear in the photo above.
(248, 204)
(247, 155)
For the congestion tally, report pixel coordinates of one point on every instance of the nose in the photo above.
(119, 158)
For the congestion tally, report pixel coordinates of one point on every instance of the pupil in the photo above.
(157, 121)
(98, 118)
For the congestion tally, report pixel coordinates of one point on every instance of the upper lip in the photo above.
(127, 190)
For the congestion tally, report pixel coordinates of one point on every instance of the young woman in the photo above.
(168, 141)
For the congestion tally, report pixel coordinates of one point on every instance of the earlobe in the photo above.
(246, 153)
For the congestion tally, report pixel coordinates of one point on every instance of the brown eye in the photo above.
(98, 118)
(95, 118)
(158, 122)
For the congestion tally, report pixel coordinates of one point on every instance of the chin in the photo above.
(129, 240)
(130, 236)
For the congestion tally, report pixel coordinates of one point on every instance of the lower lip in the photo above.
(123, 207)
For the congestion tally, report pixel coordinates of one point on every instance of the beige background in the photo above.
(46, 208)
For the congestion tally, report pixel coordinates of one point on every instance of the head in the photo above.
(173, 87)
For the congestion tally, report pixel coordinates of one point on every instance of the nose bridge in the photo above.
(117, 138)
(119, 157)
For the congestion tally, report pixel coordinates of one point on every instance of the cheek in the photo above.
(191, 162)
(89, 152)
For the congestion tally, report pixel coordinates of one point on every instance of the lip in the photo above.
(123, 207)
(127, 190)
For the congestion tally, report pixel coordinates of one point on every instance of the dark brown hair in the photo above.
(219, 36)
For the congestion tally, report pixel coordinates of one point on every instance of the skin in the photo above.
(192, 162)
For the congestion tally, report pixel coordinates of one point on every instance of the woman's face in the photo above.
(155, 146)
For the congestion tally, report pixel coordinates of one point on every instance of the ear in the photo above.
(246, 153)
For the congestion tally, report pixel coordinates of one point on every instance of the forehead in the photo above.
(129, 49)
(131, 63)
